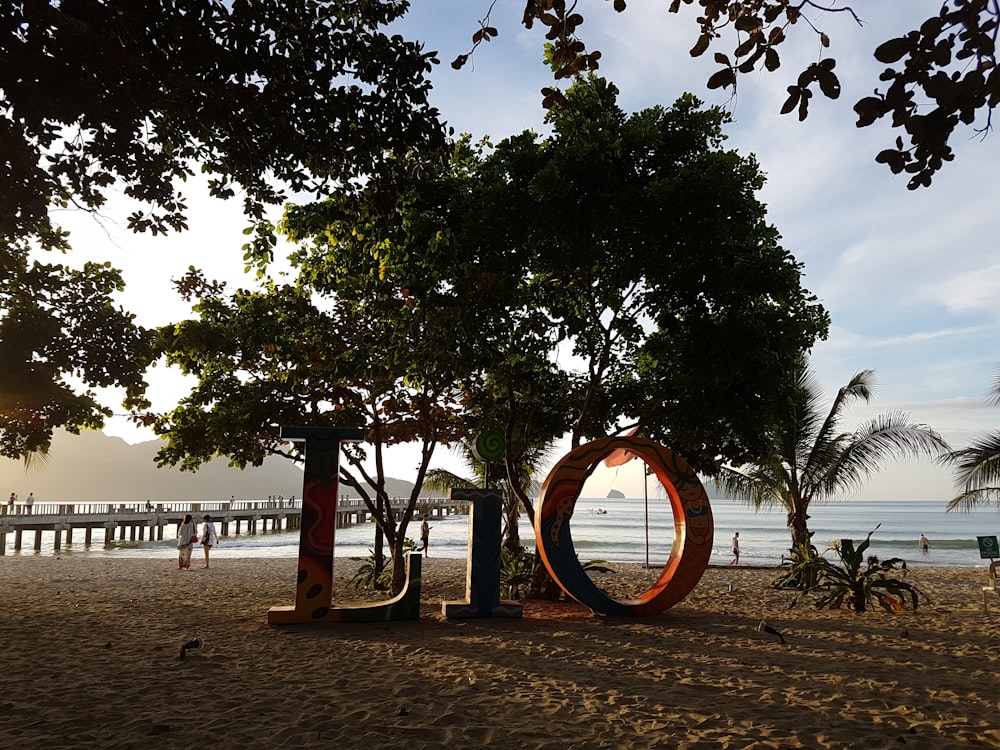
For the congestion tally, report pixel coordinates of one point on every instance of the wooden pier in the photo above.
(135, 522)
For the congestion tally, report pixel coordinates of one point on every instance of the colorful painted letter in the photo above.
(313, 593)
(482, 589)
(693, 527)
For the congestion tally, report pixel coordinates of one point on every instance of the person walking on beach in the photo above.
(925, 545)
(736, 549)
(425, 534)
(208, 537)
(29, 503)
(187, 535)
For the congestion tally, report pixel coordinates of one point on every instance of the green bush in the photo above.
(858, 582)
(366, 578)
(515, 571)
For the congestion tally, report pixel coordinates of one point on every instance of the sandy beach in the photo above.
(89, 653)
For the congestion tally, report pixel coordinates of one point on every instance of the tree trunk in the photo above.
(512, 534)
(398, 566)
(797, 523)
(379, 562)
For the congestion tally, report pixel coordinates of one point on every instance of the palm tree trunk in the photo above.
(797, 523)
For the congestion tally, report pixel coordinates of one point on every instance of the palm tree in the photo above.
(977, 468)
(524, 469)
(812, 459)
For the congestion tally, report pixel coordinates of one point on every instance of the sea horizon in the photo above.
(615, 530)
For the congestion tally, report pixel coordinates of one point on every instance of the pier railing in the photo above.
(133, 521)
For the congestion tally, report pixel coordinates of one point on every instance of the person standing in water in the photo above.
(925, 545)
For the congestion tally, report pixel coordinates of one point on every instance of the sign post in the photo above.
(988, 547)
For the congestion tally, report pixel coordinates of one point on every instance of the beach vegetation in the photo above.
(375, 574)
(516, 568)
(926, 87)
(855, 581)
(795, 572)
(811, 458)
(977, 466)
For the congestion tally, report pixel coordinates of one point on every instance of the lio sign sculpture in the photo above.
(689, 555)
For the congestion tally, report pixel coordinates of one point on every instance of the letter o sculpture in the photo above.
(693, 527)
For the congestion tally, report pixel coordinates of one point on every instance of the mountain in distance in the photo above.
(616, 494)
(93, 467)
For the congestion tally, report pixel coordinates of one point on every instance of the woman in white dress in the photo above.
(187, 535)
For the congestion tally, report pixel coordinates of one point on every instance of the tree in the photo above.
(97, 95)
(257, 95)
(977, 467)
(810, 458)
(643, 243)
(60, 328)
(277, 357)
(630, 241)
(940, 76)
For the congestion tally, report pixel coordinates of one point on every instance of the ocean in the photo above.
(615, 530)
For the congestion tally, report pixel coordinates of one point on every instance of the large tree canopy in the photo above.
(255, 94)
(262, 98)
(643, 241)
(940, 75)
(59, 328)
(634, 242)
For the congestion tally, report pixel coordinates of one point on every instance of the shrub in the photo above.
(859, 583)
(515, 571)
(365, 576)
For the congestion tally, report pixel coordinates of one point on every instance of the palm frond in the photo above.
(757, 486)
(887, 437)
(861, 386)
(443, 480)
(994, 394)
(970, 499)
(976, 469)
(36, 459)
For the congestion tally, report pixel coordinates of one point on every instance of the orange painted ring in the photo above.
(693, 526)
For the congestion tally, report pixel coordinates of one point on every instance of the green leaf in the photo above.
(722, 78)
(894, 49)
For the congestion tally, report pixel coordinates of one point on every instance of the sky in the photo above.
(909, 278)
